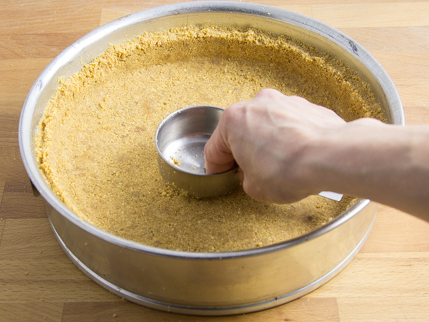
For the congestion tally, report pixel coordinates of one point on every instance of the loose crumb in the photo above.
(175, 161)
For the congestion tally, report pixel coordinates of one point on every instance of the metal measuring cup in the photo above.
(180, 139)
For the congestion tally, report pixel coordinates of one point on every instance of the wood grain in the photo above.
(375, 15)
(305, 309)
(396, 232)
(387, 281)
(18, 201)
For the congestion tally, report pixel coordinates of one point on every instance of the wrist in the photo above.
(342, 158)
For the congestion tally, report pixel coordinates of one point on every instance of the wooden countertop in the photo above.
(387, 281)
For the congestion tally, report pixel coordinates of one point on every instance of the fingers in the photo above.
(217, 153)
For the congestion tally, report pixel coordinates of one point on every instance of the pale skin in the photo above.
(288, 148)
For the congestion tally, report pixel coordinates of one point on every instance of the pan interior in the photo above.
(96, 146)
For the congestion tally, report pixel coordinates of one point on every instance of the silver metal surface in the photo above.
(207, 283)
(220, 283)
(331, 195)
(180, 139)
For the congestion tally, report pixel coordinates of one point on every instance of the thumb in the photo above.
(217, 153)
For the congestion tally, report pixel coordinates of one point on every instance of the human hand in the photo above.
(269, 137)
(288, 148)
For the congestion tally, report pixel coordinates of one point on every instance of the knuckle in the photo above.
(252, 189)
(234, 112)
(267, 93)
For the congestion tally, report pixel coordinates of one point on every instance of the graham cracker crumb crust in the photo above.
(96, 146)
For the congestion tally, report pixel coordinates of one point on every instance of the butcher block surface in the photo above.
(387, 281)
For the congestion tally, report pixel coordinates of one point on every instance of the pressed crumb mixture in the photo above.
(96, 147)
